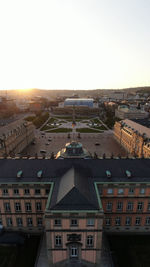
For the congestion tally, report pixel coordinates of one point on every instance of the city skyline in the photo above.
(74, 44)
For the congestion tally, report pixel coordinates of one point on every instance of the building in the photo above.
(73, 150)
(134, 136)
(73, 201)
(124, 112)
(87, 102)
(15, 136)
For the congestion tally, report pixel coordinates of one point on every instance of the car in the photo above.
(42, 151)
(97, 144)
(47, 144)
(33, 143)
(49, 140)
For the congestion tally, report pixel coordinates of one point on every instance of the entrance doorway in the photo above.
(73, 252)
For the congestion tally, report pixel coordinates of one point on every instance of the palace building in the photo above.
(73, 201)
(134, 136)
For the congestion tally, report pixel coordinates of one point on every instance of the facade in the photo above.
(79, 102)
(124, 112)
(74, 201)
(15, 136)
(134, 137)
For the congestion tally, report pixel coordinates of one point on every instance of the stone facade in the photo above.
(133, 137)
(15, 137)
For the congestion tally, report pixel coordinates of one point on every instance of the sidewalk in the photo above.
(42, 260)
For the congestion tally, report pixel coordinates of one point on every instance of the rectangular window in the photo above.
(119, 206)
(16, 191)
(29, 222)
(109, 206)
(17, 206)
(57, 222)
(131, 190)
(27, 191)
(118, 221)
(110, 191)
(90, 221)
(140, 206)
(147, 221)
(128, 221)
(138, 221)
(28, 207)
(120, 191)
(47, 191)
(74, 222)
(58, 240)
(108, 221)
(9, 222)
(39, 222)
(130, 206)
(142, 190)
(89, 241)
(38, 206)
(19, 222)
(37, 191)
(5, 191)
(7, 207)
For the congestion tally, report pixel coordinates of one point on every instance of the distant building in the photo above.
(88, 102)
(134, 136)
(124, 112)
(73, 150)
(15, 136)
(35, 106)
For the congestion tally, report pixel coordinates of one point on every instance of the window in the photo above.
(57, 222)
(110, 191)
(47, 191)
(118, 220)
(120, 191)
(142, 190)
(89, 241)
(129, 206)
(16, 191)
(28, 206)
(27, 191)
(9, 222)
(128, 220)
(100, 189)
(140, 206)
(19, 222)
(90, 221)
(29, 221)
(37, 191)
(5, 191)
(17, 206)
(108, 221)
(131, 190)
(58, 240)
(138, 221)
(74, 222)
(147, 221)
(119, 206)
(38, 206)
(148, 207)
(39, 222)
(7, 207)
(109, 206)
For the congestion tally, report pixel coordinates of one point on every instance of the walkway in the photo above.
(42, 260)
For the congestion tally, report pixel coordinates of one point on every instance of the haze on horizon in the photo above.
(80, 44)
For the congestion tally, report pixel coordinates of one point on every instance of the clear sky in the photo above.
(80, 44)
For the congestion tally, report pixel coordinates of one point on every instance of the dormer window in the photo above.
(19, 174)
(108, 173)
(128, 174)
(39, 174)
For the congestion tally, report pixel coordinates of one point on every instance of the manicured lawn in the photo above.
(60, 130)
(87, 130)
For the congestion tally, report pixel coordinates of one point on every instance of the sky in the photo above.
(74, 44)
